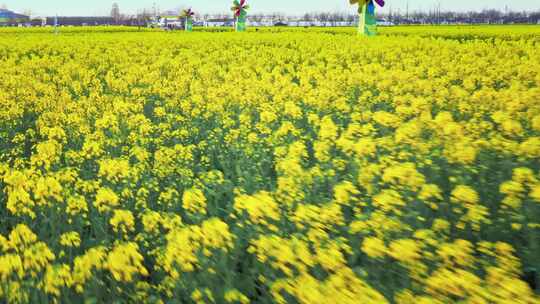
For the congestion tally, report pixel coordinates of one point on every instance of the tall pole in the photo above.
(439, 12)
(56, 24)
(407, 14)
(436, 12)
(435, 15)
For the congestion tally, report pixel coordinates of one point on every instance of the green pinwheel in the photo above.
(239, 9)
(188, 14)
(367, 24)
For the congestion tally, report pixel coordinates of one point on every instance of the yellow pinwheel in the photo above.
(366, 9)
(359, 2)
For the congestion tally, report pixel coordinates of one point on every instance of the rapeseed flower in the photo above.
(374, 247)
(293, 166)
(122, 221)
(194, 202)
(70, 239)
(106, 199)
(125, 262)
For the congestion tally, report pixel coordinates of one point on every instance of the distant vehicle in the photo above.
(383, 22)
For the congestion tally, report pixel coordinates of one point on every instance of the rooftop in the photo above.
(7, 14)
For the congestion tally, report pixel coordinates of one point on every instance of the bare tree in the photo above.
(324, 17)
(535, 17)
(115, 13)
(492, 16)
(143, 17)
(257, 17)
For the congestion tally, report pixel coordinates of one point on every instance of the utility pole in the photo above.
(440, 12)
(438, 16)
(407, 13)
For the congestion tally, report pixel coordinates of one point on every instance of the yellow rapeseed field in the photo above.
(273, 166)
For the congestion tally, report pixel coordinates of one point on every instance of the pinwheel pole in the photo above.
(367, 24)
(239, 9)
(240, 24)
(56, 24)
(188, 15)
(189, 24)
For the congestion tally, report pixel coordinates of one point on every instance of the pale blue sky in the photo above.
(293, 7)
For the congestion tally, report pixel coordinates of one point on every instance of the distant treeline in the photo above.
(317, 19)
(418, 17)
(396, 17)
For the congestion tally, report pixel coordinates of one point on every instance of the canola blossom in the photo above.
(277, 166)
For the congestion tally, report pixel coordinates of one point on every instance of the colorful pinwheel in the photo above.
(240, 8)
(368, 2)
(368, 22)
(188, 15)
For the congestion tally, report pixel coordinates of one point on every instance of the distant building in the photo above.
(8, 17)
(170, 22)
(260, 23)
(216, 22)
(81, 21)
(313, 23)
(383, 22)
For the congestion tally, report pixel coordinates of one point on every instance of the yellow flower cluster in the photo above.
(279, 166)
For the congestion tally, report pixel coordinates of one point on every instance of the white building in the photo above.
(385, 23)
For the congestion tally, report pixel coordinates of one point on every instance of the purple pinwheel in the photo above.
(367, 24)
